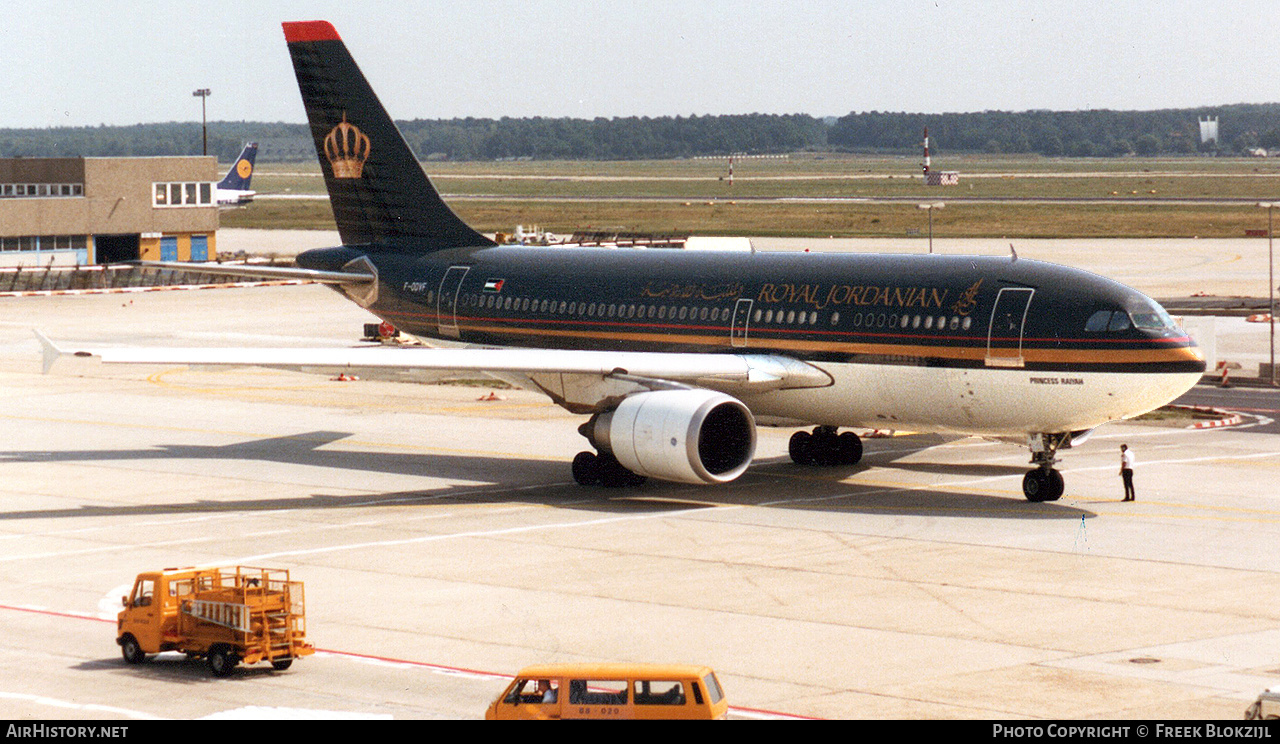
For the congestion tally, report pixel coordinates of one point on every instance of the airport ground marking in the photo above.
(387, 661)
(471, 534)
(50, 702)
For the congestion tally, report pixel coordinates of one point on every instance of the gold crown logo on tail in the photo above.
(346, 149)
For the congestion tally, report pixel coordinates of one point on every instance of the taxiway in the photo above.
(444, 545)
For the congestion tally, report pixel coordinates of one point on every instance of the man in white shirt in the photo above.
(1126, 471)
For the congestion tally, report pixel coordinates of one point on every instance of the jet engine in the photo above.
(689, 436)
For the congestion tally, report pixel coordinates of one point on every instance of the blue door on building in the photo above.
(168, 249)
(199, 247)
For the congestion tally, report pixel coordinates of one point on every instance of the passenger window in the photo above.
(655, 692)
(597, 692)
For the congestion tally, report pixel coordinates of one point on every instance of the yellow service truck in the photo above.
(226, 615)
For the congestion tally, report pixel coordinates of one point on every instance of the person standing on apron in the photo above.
(1126, 471)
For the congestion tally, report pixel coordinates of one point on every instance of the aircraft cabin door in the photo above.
(741, 321)
(447, 300)
(1008, 320)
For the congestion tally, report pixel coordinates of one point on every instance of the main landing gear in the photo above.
(825, 447)
(1045, 483)
(603, 469)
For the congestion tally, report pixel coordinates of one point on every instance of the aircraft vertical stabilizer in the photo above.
(241, 173)
(380, 195)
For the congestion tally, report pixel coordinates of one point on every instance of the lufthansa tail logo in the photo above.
(244, 169)
(346, 148)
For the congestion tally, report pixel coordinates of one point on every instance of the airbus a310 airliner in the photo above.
(675, 357)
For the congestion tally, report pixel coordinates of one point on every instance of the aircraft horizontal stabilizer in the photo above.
(264, 272)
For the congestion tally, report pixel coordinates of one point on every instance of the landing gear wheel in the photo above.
(1056, 485)
(131, 651)
(801, 448)
(614, 475)
(585, 470)
(1042, 484)
(825, 448)
(222, 660)
(590, 469)
(850, 448)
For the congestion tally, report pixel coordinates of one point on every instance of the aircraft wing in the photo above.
(741, 371)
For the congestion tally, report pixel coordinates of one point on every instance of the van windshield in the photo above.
(713, 688)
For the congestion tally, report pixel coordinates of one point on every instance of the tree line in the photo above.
(1102, 133)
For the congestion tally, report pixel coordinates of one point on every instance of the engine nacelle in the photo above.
(689, 436)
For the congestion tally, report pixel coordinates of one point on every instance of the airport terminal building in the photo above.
(78, 211)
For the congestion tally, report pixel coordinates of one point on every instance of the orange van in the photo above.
(611, 691)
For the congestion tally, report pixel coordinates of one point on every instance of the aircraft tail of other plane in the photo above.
(237, 179)
(380, 195)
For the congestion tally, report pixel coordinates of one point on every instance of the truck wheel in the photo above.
(131, 651)
(282, 664)
(222, 660)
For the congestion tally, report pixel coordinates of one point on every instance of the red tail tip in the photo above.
(310, 31)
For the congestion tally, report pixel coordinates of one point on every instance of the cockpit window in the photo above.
(1156, 320)
(1097, 322)
(1107, 320)
(1119, 321)
(1147, 316)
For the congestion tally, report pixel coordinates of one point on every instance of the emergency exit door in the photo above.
(447, 300)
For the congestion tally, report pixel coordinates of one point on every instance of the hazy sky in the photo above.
(89, 62)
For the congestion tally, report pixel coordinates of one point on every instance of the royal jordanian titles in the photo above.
(674, 357)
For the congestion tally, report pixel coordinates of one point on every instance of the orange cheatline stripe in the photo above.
(968, 353)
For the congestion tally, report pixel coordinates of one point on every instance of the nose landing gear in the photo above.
(1045, 483)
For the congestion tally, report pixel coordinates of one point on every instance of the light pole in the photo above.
(929, 208)
(203, 94)
(1271, 287)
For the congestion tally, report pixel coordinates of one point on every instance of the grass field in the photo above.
(1121, 197)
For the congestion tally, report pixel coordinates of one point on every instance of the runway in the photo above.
(444, 545)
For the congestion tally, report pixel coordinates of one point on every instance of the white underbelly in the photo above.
(988, 401)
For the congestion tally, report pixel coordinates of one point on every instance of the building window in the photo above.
(182, 194)
(12, 190)
(44, 243)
